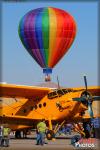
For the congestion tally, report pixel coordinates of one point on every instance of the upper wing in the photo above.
(94, 90)
(11, 90)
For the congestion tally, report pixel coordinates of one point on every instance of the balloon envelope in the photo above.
(47, 34)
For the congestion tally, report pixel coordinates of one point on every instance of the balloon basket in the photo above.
(47, 78)
(47, 72)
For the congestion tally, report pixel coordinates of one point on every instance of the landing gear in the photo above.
(50, 134)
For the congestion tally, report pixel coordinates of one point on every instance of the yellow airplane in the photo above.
(56, 106)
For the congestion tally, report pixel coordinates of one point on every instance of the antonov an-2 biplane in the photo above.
(56, 106)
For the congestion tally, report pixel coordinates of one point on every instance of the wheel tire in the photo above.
(50, 134)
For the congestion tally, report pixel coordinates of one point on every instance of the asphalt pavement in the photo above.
(61, 143)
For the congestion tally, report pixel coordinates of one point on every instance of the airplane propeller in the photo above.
(85, 81)
(87, 99)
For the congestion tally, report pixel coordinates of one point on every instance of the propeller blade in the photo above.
(79, 99)
(85, 81)
(90, 109)
(96, 98)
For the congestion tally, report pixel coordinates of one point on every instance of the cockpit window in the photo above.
(69, 90)
(65, 91)
(52, 95)
(58, 93)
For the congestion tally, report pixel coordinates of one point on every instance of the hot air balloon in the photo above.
(47, 33)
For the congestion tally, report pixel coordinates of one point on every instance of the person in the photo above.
(6, 133)
(25, 133)
(87, 129)
(18, 134)
(75, 139)
(92, 132)
(41, 129)
(1, 136)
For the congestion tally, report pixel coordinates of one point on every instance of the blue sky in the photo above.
(18, 67)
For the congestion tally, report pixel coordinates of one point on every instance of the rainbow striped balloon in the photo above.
(47, 34)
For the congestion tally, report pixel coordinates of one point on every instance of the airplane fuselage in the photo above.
(56, 105)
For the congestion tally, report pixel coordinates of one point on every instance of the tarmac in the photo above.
(29, 144)
(60, 143)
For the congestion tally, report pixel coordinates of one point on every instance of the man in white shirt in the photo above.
(1, 135)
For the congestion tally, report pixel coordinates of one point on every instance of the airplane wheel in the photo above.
(50, 135)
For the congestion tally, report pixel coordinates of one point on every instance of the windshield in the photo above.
(58, 93)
